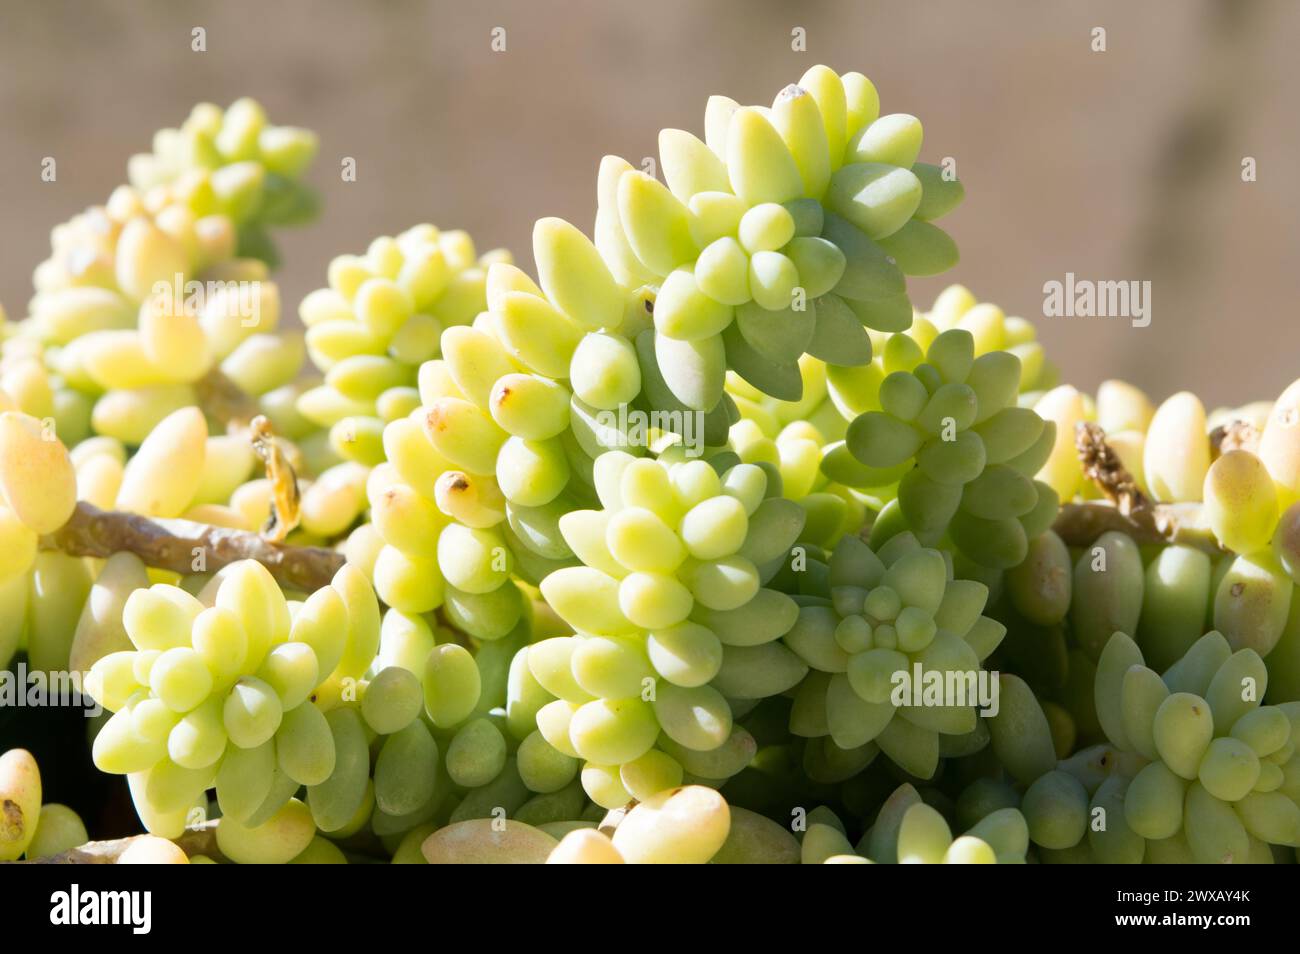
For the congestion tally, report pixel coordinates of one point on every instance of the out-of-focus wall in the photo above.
(1123, 164)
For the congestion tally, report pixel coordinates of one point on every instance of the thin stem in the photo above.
(1080, 524)
(201, 840)
(185, 546)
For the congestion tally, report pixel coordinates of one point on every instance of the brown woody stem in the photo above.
(185, 546)
(201, 840)
(1080, 524)
(221, 399)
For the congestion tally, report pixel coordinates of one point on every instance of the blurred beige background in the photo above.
(1117, 165)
